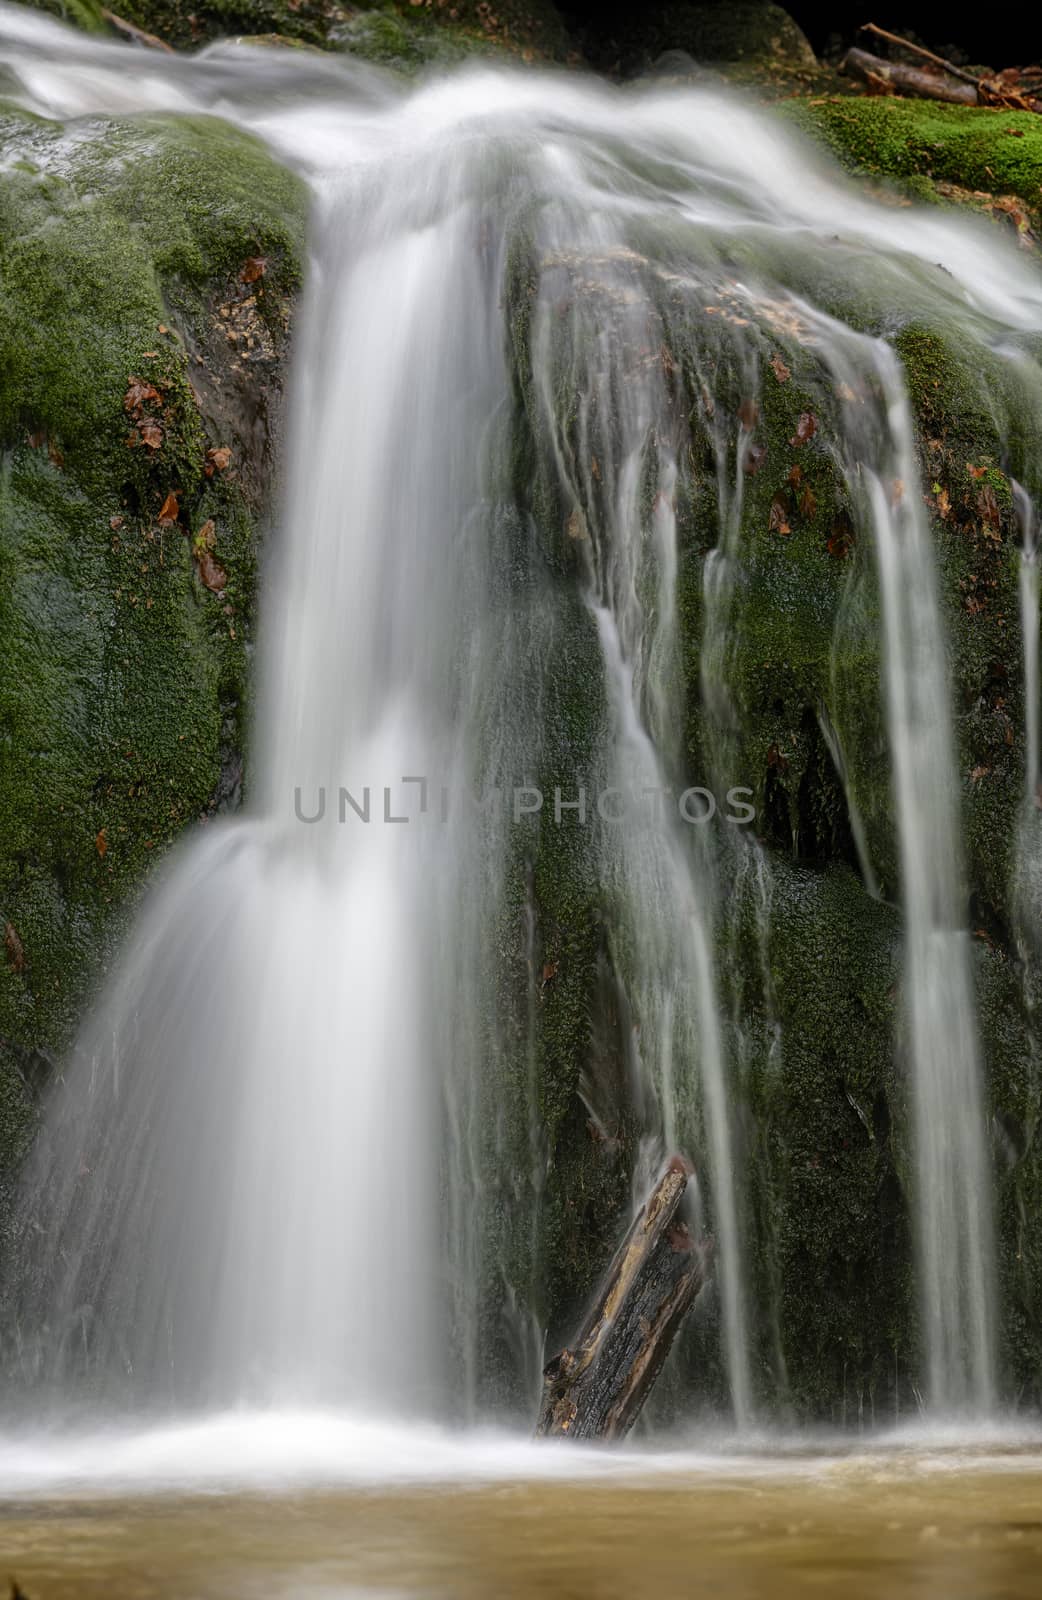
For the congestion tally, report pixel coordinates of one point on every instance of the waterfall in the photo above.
(283, 1164)
(953, 1175)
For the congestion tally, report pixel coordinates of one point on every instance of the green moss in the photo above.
(995, 151)
(85, 14)
(409, 43)
(1015, 1098)
(123, 696)
(826, 1147)
(964, 411)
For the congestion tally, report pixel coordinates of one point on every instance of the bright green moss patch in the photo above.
(85, 14)
(997, 152)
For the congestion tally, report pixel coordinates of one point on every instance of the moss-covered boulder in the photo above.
(746, 34)
(147, 275)
(393, 33)
(982, 159)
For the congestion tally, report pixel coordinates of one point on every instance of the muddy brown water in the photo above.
(861, 1529)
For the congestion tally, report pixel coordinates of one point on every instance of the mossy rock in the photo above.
(147, 273)
(408, 42)
(748, 33)
(962, 153)
(403, 36)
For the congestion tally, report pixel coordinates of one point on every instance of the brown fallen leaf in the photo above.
(211, 572)
(115, 522)
(102, 842)
(13, 947)
(975, 472)
(841, 538)
(217, 460)
(749, 414)
(150, 433)
(170, 510)
(253, 269)
(989, 509)
(806, 428)
(140, 394)
(1018, 216)
(808, 502)
(781, 371)
(575, 527)
(55, 455)
(779, 518)
(943, 502)
(775, 758)
(978, 773)
(755, 457)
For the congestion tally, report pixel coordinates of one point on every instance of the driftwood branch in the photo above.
(1015, 89)
(919, 50)
(893, 77)
(595, 1389)
(130, 30)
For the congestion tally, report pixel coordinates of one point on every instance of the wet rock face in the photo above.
(147, 277)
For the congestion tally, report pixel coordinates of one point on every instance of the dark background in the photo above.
(996, 35)
(1000, 35)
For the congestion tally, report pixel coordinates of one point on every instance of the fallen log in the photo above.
(136, 35)
(596, 1387)
(894, 77)
(920, 50)
(1013, 89)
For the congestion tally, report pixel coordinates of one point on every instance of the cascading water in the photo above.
(618, 453)
(269, 1174)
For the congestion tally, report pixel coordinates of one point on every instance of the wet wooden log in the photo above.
(596, 1387)
(894, 77)
(136, 35)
